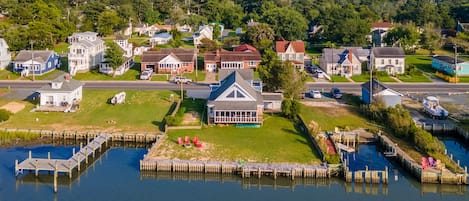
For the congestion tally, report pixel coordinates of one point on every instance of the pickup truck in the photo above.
(184, 80)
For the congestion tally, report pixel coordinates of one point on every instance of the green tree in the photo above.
(151, 16)
(292, 81)
(286, 23)
(230, 41)
(208, 45)
(405, 36)
(257, 33)
(108, 22)
(176, 40)
(269, 70)
(290, 108)
(216, 31)
(430, 38)
(114, 55)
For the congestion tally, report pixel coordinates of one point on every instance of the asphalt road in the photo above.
(405, 88)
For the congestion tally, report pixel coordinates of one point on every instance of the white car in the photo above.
(315, 94)
(146, 75)
(319, 74)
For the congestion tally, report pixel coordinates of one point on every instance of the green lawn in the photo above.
(61, 48)
(310, 79)
(422, 62)
(139, 40)
(143, 111)
(8, 74)
(414, 78)
(366, 77)
(336, 78)
(132, 74)
(192, 108)
(330, 117)
(276, 141)
(464, 79)
(361, 78)
(160, 77)
(200, 75)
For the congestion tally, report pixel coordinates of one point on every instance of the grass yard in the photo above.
(143, 111)
(336, 78)
(464, 79)
(413, 78)
(330, 117)
(160, 77)
(200, 75)
(276, 141)
(190, 112)
(366, 77)
(422, 62)
(61, 48)
(132, 74)
(8, 74)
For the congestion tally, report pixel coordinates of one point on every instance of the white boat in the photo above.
(431, 106)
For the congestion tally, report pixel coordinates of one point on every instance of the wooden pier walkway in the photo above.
(62, 165)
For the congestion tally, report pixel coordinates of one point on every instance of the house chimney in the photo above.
(350, 55)
(67, 77)
(217, 53)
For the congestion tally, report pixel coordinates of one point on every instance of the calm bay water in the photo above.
(115, 176)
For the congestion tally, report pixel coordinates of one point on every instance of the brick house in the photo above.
(170, 60)
(242, 57)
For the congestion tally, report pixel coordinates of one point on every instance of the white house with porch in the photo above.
(238, 99)
(61, 95)
(86, 52)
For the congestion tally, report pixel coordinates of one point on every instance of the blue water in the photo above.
(115, 177)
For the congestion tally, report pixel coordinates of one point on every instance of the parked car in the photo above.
(181, 79)
(319, 74)
(336, 93)
(315, 94)
(146, 74)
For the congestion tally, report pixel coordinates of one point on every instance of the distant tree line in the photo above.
(344, 22)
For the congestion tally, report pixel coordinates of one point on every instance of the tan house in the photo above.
(293, 51)
(169, 60)
(242, 57)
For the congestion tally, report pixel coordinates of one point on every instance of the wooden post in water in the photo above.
(70, 169)
(79, 161)
(86, 156)
(55, 178)
(275, 173)
(259, 172)
(30, 154)
(73, 151)
(81, 145)
(36, 166)
(48, 155)
(16, 167)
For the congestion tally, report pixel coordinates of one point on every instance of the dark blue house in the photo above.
(39, 61)
(382, 92)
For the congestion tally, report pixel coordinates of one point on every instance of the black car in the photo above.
(336, 93)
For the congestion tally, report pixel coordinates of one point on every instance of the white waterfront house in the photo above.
(5, 56)
(160, 38)
(62, 94)
(86, 52)
(125, 46)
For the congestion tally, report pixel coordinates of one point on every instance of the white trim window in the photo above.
(252, 63)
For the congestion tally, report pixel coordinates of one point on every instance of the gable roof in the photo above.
(245, 47)
(331, 55)
(224, 55)
(67, 86)
(388, 52)
(282, 46)
(235, 77)
(39, 55)
(183, 54)
(378, 87)
(447, 59)
(246, 74)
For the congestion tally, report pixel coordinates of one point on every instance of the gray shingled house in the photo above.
(238, 98)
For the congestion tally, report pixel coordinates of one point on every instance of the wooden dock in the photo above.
(61, 165)
(245, 170)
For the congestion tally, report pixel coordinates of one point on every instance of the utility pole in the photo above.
(371, 74)
(456, 62)
(32, 58)
(196, 62)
